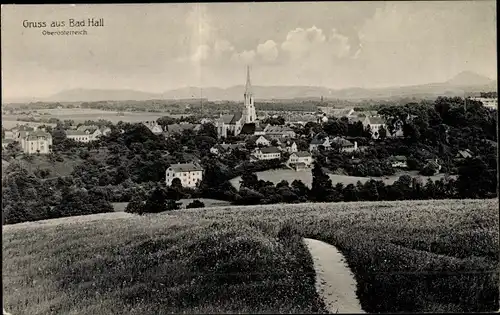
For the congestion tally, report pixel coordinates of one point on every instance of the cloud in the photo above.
(245, 57)
(223, 46)
(339, 44)
(268, 51)
(300, 42)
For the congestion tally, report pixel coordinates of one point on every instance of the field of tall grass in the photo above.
(407, 256)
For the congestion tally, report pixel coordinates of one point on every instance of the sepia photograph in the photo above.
(250, 158)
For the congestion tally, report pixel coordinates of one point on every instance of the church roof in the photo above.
(226, 118)
(236, 117)
(248, 129)
(248, 86)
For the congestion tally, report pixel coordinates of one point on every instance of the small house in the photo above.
(302, 157)
(317, 142)
(398, 161)
(267, 153)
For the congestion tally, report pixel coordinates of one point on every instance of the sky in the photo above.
(158, 47)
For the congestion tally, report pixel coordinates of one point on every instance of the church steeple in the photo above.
(248, 86)
(249, 109)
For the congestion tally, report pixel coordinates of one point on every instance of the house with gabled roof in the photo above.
(464, 154)
(434, 163)
(375, 124)
(288, 146)
(300, 160)
(190, 174)
(263, 141)
(317, 142)
(277, 132)
(344, 145)
(267, 153)
(78, 136)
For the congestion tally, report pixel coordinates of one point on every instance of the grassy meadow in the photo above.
(305, 176)
(407, 256)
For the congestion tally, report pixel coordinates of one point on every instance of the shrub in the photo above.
(195, 204)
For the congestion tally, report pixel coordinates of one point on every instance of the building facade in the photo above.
(189, 174)
(268, 153)
(301, 157)
(78, 136)
(37, 142)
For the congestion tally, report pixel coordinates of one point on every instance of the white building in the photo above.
(291, 147)
(78, 136)
(154, 127)
(263, 141)
(268, 153)
(302, 157)
(375, 124)
(189, 174)
(490, 102)
(316, 143)
(37, 142)
(277, 132)
(344, 145)
(398, 161)
(94, 131)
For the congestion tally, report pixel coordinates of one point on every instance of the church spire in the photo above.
(248, 86)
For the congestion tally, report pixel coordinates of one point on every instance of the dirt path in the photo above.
(335, 282)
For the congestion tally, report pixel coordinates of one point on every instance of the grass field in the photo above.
(305, 176)
(407, 256)
(80, 115)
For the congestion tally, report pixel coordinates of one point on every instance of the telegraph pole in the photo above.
(201, 100)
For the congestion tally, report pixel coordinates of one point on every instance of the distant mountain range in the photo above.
(468, 82)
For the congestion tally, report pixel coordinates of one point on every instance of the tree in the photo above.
(156, 201)
(195, 204)
(476, 180)
(171, 204)
(13, 149)
(208, 130)
(300, 189)
(382, 132)
(176, 183)
(429, 169)
(249, 180)
(164, 121)
(321, 184)
(58, 135)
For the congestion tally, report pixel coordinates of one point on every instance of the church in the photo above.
(233, 124)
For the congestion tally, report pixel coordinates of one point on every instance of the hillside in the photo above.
(407, 256)
(465, 81)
